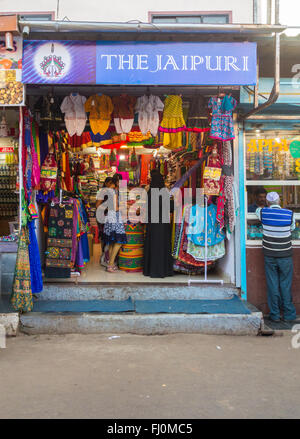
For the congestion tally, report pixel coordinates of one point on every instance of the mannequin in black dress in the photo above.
(158, 261)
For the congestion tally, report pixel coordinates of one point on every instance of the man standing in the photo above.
(260, 200)
(277, 225)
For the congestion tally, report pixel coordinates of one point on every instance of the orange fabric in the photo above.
(145, 164)
(100, 109)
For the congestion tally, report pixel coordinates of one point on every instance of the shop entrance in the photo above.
(83, 161)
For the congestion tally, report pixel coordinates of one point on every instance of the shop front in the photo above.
(11, 101)
(97, 109)
(272, 162)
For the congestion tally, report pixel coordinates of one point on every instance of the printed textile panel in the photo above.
(64, 243)
(59, 253)
(59, 263)
(59, 242)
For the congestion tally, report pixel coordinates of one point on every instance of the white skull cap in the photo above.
(272, 196)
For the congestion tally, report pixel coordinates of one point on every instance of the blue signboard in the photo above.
(139, 63)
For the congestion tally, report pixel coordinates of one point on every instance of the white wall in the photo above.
(125, 10)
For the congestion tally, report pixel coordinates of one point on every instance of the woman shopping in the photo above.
(108, 183)
(113, 231)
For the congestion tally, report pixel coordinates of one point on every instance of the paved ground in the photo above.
(174, 376)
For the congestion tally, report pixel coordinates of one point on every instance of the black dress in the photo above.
(158, 260)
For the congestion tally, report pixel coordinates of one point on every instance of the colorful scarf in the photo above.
(21, 298)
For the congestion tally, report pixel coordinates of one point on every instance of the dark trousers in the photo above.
(279, 276)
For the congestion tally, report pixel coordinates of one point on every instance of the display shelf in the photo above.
(272, 182)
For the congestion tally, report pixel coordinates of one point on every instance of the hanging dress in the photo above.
(148, 108)
(173, 123)
(100, 109)
(158, 261)
(222, 123)
(197, 120)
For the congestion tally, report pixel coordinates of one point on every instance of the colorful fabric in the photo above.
(134, 234)
(222, 123)
(212, 176)
(78, 143)
(138, 136)
(181, 245)
(186, 176)
(49, 173)
(100, 109)
(196, 221)
(131, 258)
(229, 196)
(84, 230)
(183, 256)
(214, 232)
(35, 261)
(221, 207)
(181, 267)
(145, 162)
(21, 298)
(60, 230)
(114, 231)
(36, 172)
(173, 122)
(214, 252)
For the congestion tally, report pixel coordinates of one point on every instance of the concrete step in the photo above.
(150, 324)
(136, 292)
(10, 323)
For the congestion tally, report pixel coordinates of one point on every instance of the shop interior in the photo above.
(9, 174)
(73, 167)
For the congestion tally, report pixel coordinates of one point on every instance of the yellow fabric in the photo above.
(100, 109)
(137, 136)
(172, 118)
(172, 140)
(173, 115)
(38, 149)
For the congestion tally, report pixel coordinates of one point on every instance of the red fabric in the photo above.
(221, 205)
(67, 178)
(76, 142)
(113, 145)
(146, 158)
(212, 187)
(185, 257)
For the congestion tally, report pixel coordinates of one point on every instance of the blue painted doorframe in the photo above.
(242, 188)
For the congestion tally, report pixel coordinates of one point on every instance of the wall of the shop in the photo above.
(256, 280)
(8, 255)
(117, 10)
(226, 265)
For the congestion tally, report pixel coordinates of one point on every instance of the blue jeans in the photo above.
(279, 276)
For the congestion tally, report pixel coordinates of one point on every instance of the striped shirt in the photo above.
(277, 225)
